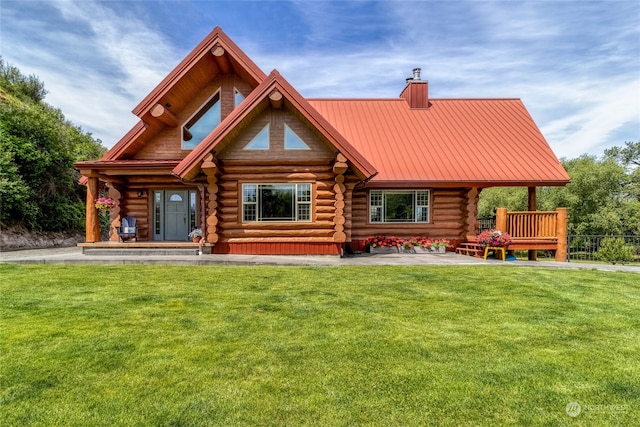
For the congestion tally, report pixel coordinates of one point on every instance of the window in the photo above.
(276, 202)
(202, 123)
(260, 141)
(237, 97)
(292, 141)
(399, 206)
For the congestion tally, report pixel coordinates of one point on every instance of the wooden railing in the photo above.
(532, 225)
(535, 230)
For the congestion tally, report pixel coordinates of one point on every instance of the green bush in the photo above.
(614, 250)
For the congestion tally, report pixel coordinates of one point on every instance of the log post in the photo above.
(532, 199)
(115, 214)
(533, 254)
(561, 229)
(501, 220)
(211, 170)
(92, 222)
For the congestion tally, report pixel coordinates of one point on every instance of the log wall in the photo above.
(322, 234)
(448, 213)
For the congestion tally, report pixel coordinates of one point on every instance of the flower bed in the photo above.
(416, 244)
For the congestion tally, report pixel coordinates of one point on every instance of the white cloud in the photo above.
(576, 66)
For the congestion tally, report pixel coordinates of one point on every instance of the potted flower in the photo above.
(104, 203)
(439, 246)
(383, 244)
(196, 235)
(494, 238)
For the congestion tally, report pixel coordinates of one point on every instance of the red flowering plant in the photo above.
(413, 242)
(440, 243)
(103, 203)
(494, 237)
(383, 242)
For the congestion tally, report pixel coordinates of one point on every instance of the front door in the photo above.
(176, 224)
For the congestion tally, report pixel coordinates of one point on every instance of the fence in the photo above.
(585, 247)
(486, 224)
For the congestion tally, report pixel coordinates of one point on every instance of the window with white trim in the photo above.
(276, 202)
(396, 206)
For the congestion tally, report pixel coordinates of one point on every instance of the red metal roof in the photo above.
(474, 141)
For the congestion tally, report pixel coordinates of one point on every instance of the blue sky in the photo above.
(575, 64)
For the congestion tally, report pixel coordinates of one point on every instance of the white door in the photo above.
(176, 223)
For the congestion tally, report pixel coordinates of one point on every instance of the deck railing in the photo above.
(533, 225)
(536, 229)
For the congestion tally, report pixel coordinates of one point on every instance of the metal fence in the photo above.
(486, 224)
(585, 247)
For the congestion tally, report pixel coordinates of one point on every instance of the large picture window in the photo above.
(399, 206)
(276, 202)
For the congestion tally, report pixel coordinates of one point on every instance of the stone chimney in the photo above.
(416, 93)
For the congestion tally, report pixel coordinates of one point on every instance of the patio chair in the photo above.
(128, 229)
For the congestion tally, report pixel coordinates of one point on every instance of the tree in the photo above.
(38, 183)
(19, 85)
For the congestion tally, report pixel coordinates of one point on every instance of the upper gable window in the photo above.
(292, 141)
(202, 123)
(237, 97)
(260, 141)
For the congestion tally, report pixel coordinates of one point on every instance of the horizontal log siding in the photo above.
(138, 207)
(275, 237)
(447, 218)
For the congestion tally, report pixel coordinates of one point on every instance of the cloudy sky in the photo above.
(575, 64)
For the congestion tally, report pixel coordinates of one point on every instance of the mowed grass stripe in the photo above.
(159, 345)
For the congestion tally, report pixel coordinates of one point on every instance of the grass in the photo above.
(170, 346)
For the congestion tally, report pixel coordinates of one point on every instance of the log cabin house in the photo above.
(224, 147)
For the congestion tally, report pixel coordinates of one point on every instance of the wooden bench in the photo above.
(470, 249)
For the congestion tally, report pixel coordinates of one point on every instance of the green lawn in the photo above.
(399, 346)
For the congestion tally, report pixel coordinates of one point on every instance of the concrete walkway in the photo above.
(73, 255)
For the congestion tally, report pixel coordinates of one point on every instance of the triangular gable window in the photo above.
(202, 123)
(260, 141)
(292, 141)
(237, 97)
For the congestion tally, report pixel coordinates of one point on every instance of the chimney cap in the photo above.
(416, 73)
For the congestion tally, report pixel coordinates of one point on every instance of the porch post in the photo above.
(561, 231)
(115, 214)
(501, 219)
(92, 221)
(532, 199)
(533, 254)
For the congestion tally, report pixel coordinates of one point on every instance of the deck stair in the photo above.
(471, 249)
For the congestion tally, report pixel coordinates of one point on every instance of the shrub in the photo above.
(614, 249)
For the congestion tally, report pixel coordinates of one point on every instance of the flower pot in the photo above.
(196, 239)
(383, 250)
